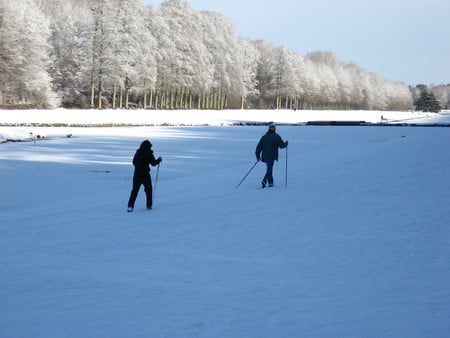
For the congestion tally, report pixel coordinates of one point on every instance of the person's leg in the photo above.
(268, 178)
(147, 182)
(265, 178)
(269, 173)
(134, 192)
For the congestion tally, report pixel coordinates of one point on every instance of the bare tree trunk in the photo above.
(145, 97)
(100, 90)
(94, 44)
(114, 95)
(127, 92)
(121, 98)
(200, 96)
(151, 98)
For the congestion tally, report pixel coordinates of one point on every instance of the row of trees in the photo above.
(121, 53)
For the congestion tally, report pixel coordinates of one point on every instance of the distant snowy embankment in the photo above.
(33, 119)
(76, 117)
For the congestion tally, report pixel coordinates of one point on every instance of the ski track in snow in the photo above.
(357, 245)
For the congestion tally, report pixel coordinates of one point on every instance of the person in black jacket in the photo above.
(267, 151)
(142, 160)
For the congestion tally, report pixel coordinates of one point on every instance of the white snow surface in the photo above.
(356, 245)
(211, 117)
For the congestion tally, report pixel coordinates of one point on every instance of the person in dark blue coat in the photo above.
(267, 151)
(142, 160)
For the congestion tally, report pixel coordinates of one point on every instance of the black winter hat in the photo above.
(146, 144)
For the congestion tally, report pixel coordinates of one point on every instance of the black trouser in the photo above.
(146, 181)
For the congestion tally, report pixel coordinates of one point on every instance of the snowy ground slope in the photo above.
(357, 245)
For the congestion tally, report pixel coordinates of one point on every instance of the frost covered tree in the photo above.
(264, 74)
(131, 46)
(325, 65)
(248, 61)
(185, 65)
(104, 40)
(71, 53)
(223, 47)
(160, 30)
(24, 55)
(442, 94)
(356, 88)
(148, 58)
(299, 81)
(282, 76)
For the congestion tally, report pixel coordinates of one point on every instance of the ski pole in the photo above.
(156, 181)
(247, 174)
(286, 165)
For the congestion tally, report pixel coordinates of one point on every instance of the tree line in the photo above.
(123, 54)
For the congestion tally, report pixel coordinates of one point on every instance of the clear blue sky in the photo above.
(400, 40)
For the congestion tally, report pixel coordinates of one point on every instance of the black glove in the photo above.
(286, 143)
(159, 160)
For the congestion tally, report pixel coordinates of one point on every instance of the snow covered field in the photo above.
(357, 244)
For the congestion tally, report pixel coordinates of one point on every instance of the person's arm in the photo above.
(281, 143)
(153, 161)
(258, 150)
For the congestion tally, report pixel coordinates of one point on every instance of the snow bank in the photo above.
(205, 117)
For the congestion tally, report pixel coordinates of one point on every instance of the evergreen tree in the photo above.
(426, 101)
